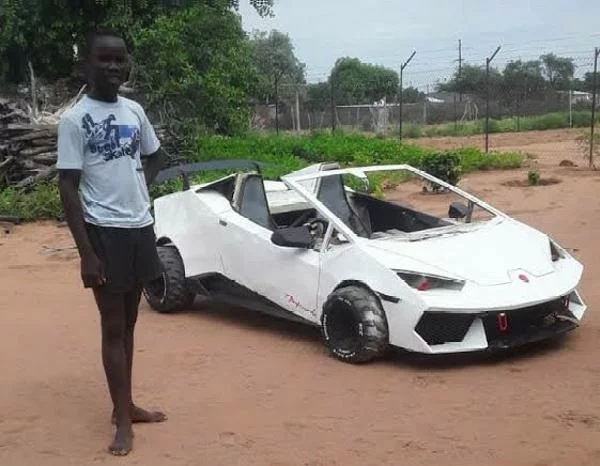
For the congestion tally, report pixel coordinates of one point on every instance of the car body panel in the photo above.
(288, 277)
(504, 265)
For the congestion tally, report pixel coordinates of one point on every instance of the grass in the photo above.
(43, 202)
(283, 153)
(557, 120)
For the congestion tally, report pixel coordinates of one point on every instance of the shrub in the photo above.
(443, 165)
(533, 177)
(42, 202)
(411, 130)
(286, 153)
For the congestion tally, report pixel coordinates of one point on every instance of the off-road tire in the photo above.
(169, 293)
(354, 326)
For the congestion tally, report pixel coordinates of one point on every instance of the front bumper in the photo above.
(441, 331)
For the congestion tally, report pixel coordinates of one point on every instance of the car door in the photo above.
(288, 277)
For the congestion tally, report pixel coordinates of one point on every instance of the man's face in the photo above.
(108, 63)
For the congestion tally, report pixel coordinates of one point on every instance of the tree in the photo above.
(45, 32)
(472, 80)
(275, 63)
(318, 96)
(411, 95)
(355, 82)
(558, 71)
(195, 65)
(586, 84)
(523, 80)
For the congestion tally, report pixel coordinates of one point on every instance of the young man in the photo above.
(103, 187)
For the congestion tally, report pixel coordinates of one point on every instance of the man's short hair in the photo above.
(93, 35)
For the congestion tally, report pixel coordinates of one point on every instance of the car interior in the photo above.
(365, 215)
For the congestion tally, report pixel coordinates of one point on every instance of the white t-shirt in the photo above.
(106, 141)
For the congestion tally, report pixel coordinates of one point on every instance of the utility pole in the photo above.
(487, 98)
(459, 70)
(402, 93)
(298, 127)
(593, 123)
(277, 102)
(332, 104)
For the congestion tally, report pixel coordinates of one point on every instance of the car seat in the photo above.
(250, 200)
(332, 194)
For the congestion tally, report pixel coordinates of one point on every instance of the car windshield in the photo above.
(378, 203)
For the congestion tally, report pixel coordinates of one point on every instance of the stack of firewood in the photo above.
(27, 149)
(28, 145)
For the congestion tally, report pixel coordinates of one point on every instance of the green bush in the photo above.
(443, 165)
(286, 153)
(411, 130)
(533, 177)
(43, 202)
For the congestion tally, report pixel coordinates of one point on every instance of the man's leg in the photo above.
(114, 359)
(132, 301)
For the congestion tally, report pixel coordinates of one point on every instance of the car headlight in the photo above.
(423, 282)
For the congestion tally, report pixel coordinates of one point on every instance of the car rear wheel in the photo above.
(169, 293)
(354, 325)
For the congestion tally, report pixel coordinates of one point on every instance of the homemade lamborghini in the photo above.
(320, 248)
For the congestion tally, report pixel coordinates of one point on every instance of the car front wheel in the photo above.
(354, 325)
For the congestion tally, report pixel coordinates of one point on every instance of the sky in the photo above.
(386, 32)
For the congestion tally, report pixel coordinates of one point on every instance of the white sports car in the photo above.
(371, 273)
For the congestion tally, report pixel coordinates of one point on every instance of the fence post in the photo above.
(402, 93)
(277, 103)
(332, 106)
(487, 98)
(593, 123)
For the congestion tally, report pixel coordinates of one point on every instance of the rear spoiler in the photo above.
(185, 170)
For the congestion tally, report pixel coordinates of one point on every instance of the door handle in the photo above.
(222, 222)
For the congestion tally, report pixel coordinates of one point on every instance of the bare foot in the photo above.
(139, 415)
(123, 441)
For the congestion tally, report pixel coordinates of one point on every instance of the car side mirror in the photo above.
(293, 237)
(457, 210)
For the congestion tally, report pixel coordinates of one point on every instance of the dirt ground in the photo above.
(246, 389)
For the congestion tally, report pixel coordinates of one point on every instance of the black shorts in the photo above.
(128, 255)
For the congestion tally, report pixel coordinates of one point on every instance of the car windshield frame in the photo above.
(296, 180)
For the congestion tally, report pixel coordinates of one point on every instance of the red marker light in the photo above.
(423, 285)
(502, 322)
(524, 278)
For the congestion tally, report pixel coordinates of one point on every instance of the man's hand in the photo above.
(92, 272)
(91, 268)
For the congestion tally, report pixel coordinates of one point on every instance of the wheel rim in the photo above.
(342, 328)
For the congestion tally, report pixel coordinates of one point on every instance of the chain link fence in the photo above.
(440, 113)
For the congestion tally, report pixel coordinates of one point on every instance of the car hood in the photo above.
(484, 254)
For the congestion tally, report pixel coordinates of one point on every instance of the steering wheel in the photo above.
(300, 220)
(318, 227)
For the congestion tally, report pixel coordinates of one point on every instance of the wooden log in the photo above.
(11, 218)
(35, 136)
(6, 162)
(47, 157)
(35, 179)
(30, 164)
(44, 142)
(16, 127)
(13, 116)
(36, 150)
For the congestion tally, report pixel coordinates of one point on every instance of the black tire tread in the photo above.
(178, 296)
(373, 320)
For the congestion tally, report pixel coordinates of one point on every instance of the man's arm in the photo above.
(154, 164)
(68, 184)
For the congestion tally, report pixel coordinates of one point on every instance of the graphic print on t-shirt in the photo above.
(109, 140)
